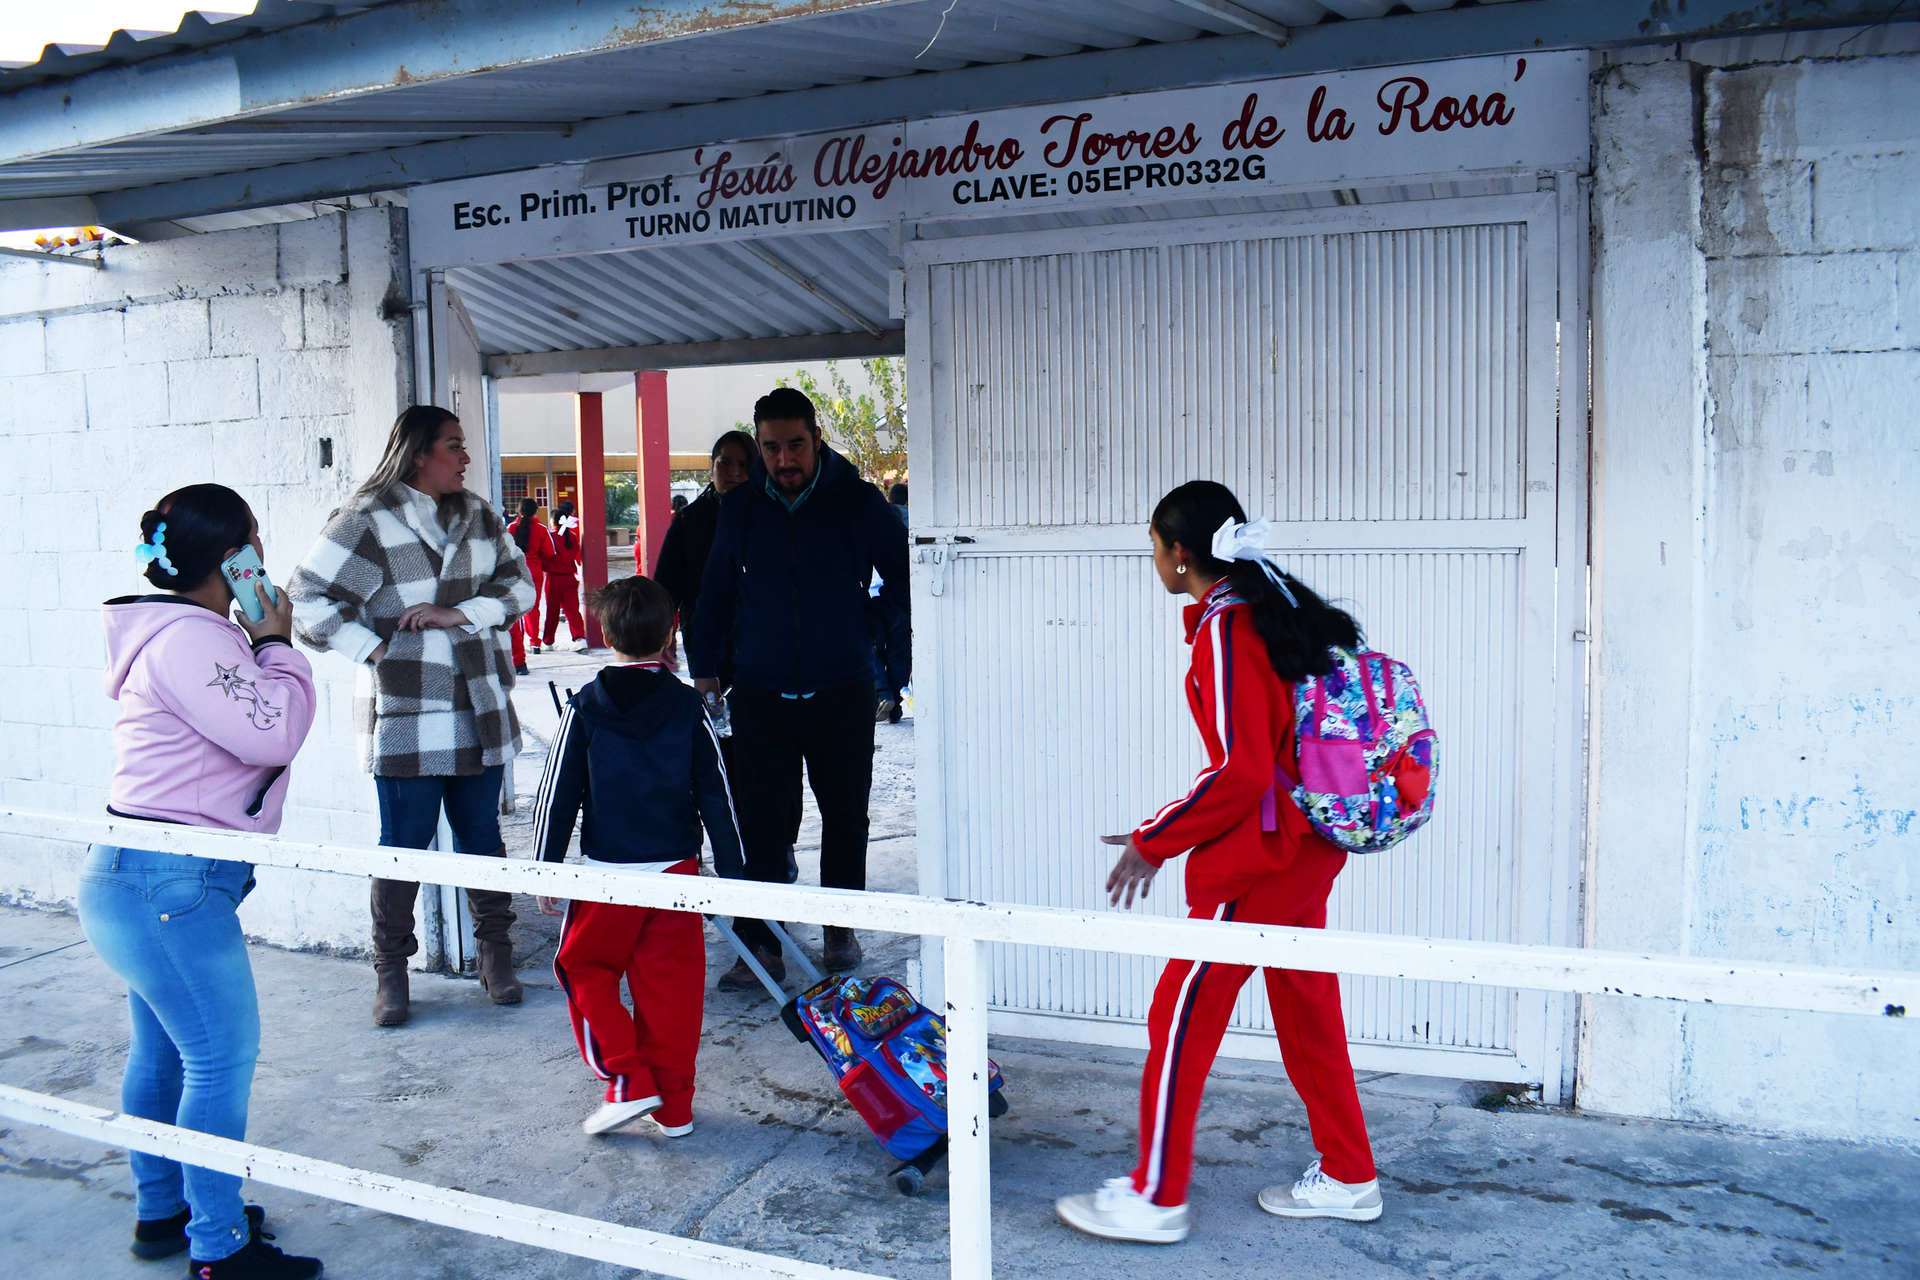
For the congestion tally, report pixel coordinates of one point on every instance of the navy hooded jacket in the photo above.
(791, 586)
(636, 752)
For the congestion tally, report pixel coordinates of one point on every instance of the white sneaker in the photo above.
(1318, 1196)
(612, 1115)
(1117, 1212)
(671, 1130)
(579, 646)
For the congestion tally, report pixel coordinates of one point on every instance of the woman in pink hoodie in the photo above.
(211, 714)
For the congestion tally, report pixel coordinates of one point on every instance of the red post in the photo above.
(655, 478)
(590, 465)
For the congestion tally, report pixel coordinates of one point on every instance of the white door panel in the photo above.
(1388, 396)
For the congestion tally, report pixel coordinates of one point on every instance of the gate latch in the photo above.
(939, 552)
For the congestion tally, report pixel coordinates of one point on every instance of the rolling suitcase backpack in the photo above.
(889, 1053)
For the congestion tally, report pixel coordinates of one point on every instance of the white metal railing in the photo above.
(965, 927)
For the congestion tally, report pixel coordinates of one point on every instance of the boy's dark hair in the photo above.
(1297, 638)
(785, 403)
(204, 523)
(898, 494)
(635, 613)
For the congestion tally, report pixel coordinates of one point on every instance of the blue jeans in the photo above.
(168, 925)
(409, 818)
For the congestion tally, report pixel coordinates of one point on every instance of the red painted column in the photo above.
(655, 478)
(590, 465)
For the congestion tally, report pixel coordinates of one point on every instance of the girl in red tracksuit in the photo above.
(1255, 633)
(536, 544)
(563, 577)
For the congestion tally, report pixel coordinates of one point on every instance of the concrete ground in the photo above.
(489, 1100)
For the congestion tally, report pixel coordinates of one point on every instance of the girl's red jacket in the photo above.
(539, 549)
(1245, 715)
(566, 553)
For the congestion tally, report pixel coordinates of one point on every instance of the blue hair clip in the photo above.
(155, 552)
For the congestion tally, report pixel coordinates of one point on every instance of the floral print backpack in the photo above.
(1367, 758)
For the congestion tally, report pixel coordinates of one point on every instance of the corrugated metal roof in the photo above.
(688, 293)
(197, 29)
(745, 57)
(970, 35)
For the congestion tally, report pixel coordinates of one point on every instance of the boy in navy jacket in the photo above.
(636, 753)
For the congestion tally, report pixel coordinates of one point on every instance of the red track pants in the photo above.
(663, 955)
(1191, 1009)
(519, 633)
(563, 593)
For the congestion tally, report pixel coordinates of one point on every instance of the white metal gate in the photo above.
(1383, 383)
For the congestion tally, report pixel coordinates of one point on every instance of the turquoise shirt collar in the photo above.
(774, 490)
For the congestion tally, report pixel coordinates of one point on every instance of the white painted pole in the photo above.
(1889, 992)
(503, 1220)
(969, 1162)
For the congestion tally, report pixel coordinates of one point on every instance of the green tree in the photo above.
(623, 499)
(869, 430)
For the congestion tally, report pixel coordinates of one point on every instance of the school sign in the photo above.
(1210, 143)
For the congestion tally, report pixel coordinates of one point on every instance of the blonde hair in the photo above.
(414, 432)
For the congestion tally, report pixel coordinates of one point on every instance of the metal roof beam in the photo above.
(407, 43)
(1462, 32)
(284, 126)
(696, 355)
(1243, 18)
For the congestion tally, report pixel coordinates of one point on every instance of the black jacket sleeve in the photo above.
(672, 571)
(719, 590)
(887, 537)
(563, 788)
(713, 794)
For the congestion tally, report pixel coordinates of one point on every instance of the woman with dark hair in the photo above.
(205, 753)
(683, 552)
(1255, 632)
(435, 723)
(563, 578)
(536, 548)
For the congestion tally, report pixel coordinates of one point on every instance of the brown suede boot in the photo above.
(390, 998)
(496, 973)
(840, 949)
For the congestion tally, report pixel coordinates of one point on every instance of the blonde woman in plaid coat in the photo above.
(416, 580)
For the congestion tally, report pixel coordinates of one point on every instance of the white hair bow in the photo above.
(1248, 541)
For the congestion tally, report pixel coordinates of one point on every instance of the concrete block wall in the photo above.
(1757, 573)
(225, 357)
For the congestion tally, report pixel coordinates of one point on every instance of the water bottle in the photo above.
(718, 713)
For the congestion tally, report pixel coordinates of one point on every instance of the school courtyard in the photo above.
(489, 1100)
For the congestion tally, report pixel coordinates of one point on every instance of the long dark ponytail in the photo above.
(560, 513)
(523, 528)
(1297, 635)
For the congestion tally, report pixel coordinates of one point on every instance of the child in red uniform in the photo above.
(635, 752)
(1255, 633)
(563, 578)
(536, 544)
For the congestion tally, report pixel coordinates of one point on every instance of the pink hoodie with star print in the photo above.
(208, 721)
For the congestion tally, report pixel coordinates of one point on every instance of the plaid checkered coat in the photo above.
(437, 704)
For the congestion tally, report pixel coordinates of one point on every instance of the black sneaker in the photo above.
(256, 1260)
(520, 669)
(163, 1237)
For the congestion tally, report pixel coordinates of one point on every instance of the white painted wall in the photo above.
(1756, 469)
(223, 357)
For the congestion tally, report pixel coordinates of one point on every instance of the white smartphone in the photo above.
(243, 570)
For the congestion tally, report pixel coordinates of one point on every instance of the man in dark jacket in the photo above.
(793, 554)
